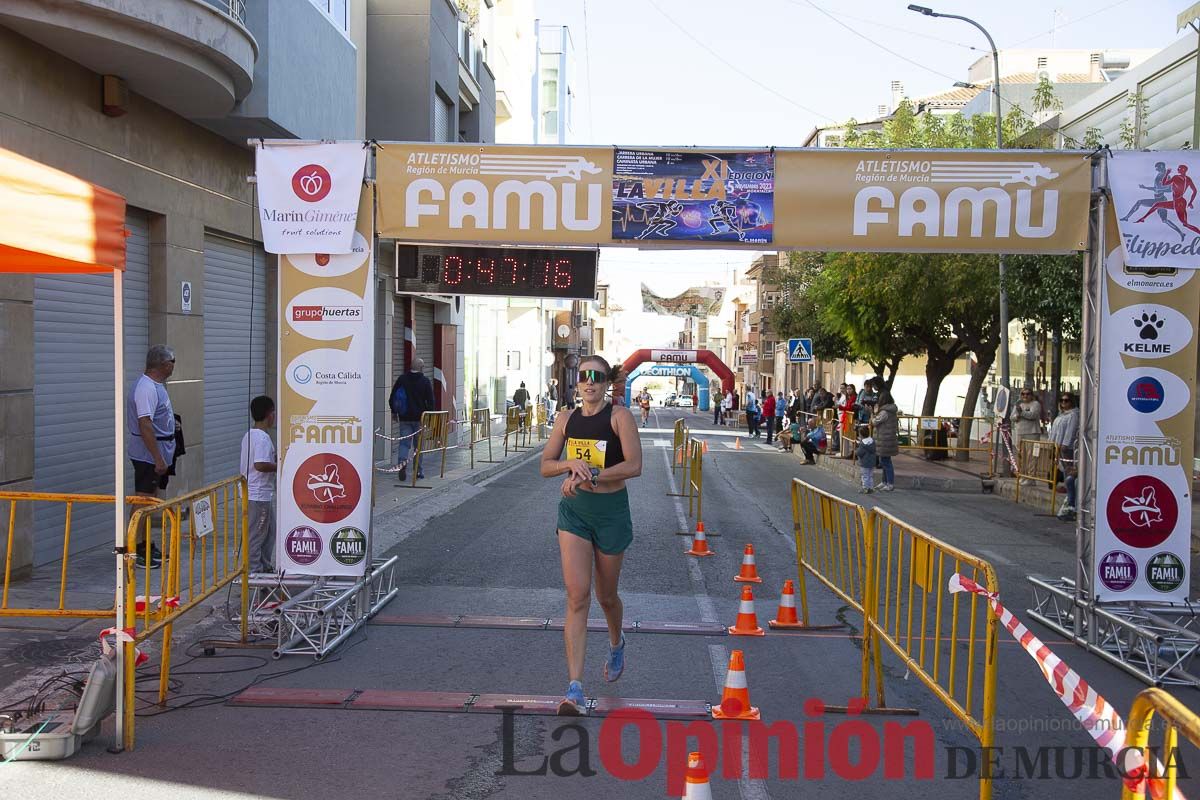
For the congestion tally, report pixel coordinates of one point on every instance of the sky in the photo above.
(759, 73)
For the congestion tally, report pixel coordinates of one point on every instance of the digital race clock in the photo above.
(502, 271)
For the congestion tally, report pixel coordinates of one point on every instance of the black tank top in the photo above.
(593, 438)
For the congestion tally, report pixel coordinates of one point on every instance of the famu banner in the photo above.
(980, 201)
(326, 380)
(1153, 195)
(308, 195)
(1144, 448)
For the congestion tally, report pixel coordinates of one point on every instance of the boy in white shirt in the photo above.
(258, 465)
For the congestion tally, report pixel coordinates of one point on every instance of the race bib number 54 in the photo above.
(589, 450)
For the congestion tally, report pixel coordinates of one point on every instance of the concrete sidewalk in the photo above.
(31, 647)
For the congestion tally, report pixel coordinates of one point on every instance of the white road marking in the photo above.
(994, 556)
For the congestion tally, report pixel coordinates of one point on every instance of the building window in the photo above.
(549, 100)
(337, 11)
(444, 119)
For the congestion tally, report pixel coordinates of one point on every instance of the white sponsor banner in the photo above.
(674, 356)
(1144, 442)
(1153, 195)
(308, 197)
(326, 369)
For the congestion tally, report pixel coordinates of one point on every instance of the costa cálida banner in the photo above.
(1153, 195)
(326, 380)
(308, 195)
(1011, 201)
(1144, 447)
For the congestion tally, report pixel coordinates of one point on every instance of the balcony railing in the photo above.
(233, 8)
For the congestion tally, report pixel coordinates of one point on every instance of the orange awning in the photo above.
(54, 222)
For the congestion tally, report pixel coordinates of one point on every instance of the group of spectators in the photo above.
(1026, 422)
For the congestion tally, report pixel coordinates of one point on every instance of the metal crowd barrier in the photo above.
(539, 417)
(203, 536)
(1176, 717)
(68, 502)
(679, 447)
(896, 575)
(693, 484)
(910, 610)
(1037, 461)
(515, 429)
(433, 437)
(481, 430)
(925, 433)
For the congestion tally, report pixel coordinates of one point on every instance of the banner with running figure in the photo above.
(682, 195)
(1144, 446)
(1154, 195)
(326, 380)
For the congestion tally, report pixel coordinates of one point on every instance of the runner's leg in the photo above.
(576, 555)
(608, 576)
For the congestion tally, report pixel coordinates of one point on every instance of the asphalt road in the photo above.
(495, 554)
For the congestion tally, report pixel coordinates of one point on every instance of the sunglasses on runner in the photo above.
(592, 376)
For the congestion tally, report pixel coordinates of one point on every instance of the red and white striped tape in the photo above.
(139, 602)
(121, 635)
(1095, 714)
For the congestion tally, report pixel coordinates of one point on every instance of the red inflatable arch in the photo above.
(662, 356)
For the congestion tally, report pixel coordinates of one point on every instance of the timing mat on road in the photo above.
(465, 702)
(545, 624)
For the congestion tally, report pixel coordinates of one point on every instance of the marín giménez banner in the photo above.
(1154, 196)
(696, 301)
(308, 196)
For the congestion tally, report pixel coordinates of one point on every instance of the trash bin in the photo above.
(935, 438)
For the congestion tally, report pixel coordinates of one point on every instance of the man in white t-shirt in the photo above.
(150, 422)
(258, 465)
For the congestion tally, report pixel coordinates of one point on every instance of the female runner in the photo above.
(602, 451)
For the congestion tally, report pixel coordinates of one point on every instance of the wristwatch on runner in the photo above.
(595, 475)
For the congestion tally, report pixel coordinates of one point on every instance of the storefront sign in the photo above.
(326, 368)
(308, 196)
(1147, 415)
(1153, 195)
(1022, 201)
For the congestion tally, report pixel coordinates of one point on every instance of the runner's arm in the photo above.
(551, 465)
(631, 445)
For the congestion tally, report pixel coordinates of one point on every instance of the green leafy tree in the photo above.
(796, 314)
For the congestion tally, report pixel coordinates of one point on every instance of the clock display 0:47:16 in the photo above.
(454, 270)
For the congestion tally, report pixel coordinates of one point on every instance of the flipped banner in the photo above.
(326, 380)
(1008, 201)
(308, 195)
(1144, 446)
(1153, 194)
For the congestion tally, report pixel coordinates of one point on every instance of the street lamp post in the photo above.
(929, 12)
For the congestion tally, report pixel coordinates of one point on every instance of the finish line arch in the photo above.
(670, 371)
(706, 357)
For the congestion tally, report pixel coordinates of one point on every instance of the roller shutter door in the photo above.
(423, 329)
(73, 391)
(235, 336)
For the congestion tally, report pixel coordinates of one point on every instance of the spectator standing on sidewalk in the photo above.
(551, 400)
(726, 406)
(887, 438)
(846, 411)
(412, 395)
(1026, 419)
(752, 412)
(1064, 432)
(781, 405)
(150, 420)
(768, 412)
(866, 457)
(796, 408)
(258, 464)
(521, 397)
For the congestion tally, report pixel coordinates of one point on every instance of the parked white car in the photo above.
(684, 401)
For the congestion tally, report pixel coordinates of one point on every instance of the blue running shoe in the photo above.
(616, 661)
(573, 704)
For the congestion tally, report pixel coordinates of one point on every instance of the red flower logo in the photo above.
(312, 183)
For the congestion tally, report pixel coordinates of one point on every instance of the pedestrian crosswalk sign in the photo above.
(799, 350)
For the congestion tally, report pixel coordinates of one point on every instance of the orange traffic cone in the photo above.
(737, 443)
(786, 617)
(735, 698)
(749, 573)
(696, 779)
(679, 455)
(699, 542)
(747, 620)
(705, 450)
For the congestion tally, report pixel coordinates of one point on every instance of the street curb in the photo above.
(848, 470)
(473, 478)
